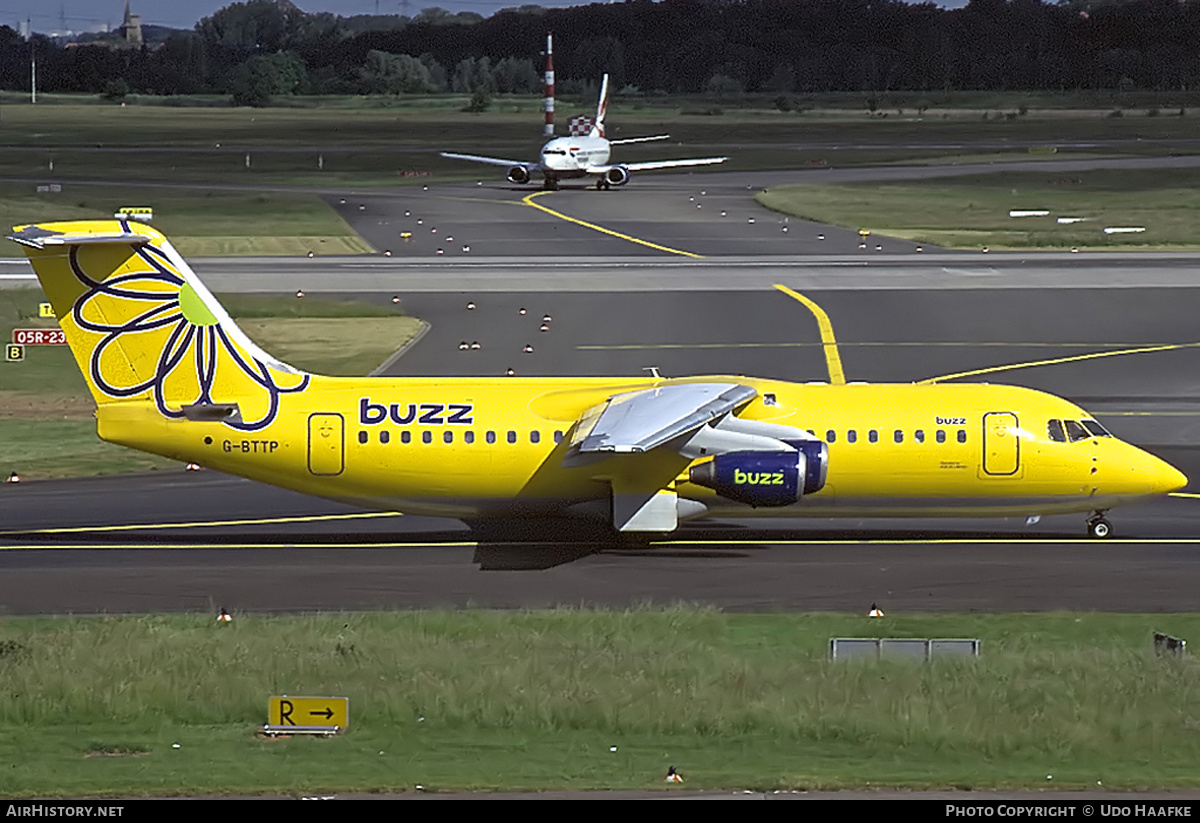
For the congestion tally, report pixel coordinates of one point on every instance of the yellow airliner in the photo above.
(172, 374)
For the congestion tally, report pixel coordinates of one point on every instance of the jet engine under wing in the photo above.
(642, 420)
(657, 164)
(493, 161)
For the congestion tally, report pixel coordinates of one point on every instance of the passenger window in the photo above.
(512, 437)
(1055, 431)
(469, 437)
(873, 436)
(491, 437)
(448, 436)
(558, 437)
(852, 436)
(941, 435)
(919, 435)
(535, 437)
(769, 399)
(1096, 429)
(385, 436)
(426, 437)
(1075, 431)
(830, 436)
(406, 436)
(362, 437)
(962, 435)
(898, 436)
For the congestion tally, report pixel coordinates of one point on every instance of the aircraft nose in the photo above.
(1162, 476)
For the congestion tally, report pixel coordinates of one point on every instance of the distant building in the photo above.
(131, 28)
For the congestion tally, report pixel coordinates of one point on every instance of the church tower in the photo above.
(131, 28)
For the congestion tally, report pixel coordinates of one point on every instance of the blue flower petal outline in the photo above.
(205, 343)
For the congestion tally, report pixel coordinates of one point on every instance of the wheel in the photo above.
(1099, 528)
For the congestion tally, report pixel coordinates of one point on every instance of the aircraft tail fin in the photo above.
(601, 109)
(142, 326)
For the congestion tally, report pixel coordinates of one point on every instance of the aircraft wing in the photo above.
(643, 420)
(638, 139)
(491, 161)
(656, 164)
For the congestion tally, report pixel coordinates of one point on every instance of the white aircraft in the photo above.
(582, 155)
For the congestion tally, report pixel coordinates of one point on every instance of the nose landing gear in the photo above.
(1097, 527)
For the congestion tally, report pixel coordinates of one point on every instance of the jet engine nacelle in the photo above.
(617, 176)
(518, 175)
(765, 478)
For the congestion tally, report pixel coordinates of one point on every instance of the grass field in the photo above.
(580, 699)
(198, 222)
(46, 413)
(224, 180)
(973, 211)
(385, 142)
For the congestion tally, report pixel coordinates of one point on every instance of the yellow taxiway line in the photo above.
(969, 541)
(202, 523)
(131, 546)
(832, 358)
(657, 544)
(528, 201)
(1057, 360)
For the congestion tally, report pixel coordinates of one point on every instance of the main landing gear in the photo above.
(1097, 527)
(601, 185)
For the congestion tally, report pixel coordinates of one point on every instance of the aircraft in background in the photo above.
(578, 156)
(172, 374)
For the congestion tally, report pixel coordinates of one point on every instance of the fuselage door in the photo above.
(325, 437)
(1001, 445)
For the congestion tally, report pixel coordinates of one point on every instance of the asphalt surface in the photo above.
(701, 214)
(898, 314)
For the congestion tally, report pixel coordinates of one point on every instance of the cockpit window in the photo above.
(554, 151)
(1055, 430)
(1075, 431)
(1096, 429)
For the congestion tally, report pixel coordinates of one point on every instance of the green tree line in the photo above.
(260, 49)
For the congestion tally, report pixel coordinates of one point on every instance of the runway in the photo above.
(1113, 333)
(314, 555)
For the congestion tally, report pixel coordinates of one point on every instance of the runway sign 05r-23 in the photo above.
(39, 337)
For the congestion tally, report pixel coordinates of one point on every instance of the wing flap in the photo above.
(643, 420)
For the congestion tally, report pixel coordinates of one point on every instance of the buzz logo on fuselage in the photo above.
(951, 421)
(424, 414)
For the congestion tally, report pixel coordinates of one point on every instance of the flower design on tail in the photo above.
(160, 336)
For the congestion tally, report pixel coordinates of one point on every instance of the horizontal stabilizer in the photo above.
(39, 237)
